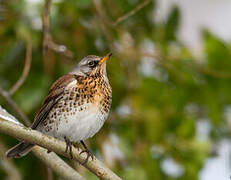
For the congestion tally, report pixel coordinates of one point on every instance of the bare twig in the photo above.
(131, 13)
(60, 49)
(46, 25)
(55, 145)
(48, 43)
(104, 25)
(103, 20)
(57, 164)
(25, 72)
(8, 165)
(13, 104)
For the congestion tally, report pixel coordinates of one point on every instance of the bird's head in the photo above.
(92, 64)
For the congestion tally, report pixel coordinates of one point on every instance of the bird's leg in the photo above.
(76, 145)
(66, 141)
(86, 150)
(68, 145)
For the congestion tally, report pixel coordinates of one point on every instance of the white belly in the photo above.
(79, 125)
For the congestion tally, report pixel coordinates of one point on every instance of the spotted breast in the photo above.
(82, 110)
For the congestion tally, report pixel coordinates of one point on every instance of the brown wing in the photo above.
(54, 95)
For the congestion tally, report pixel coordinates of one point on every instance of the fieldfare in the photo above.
(76, 107)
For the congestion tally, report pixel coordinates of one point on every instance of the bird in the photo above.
(76, 107)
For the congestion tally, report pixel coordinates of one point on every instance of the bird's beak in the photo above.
(105, 58)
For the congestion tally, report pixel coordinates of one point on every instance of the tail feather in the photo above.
(19, 150)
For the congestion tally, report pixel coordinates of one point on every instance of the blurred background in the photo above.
(170, 73)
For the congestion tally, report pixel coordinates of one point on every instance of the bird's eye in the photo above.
(91, 63)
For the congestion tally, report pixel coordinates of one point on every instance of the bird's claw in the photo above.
(89, 154)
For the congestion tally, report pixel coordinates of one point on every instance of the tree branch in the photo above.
(55, 145)
(13, 104)
(103, 21)
(8, 165)
(131, 13)
(25, 72)
(57, 164)
(52, 160)
(48, 43)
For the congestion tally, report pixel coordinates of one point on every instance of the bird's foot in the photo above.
(89, 154)
(68, 146)
(86, 150)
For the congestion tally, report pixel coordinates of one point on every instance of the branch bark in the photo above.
(57, 164)
(52, 160)
(55, 145)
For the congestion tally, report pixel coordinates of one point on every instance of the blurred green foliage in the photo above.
(157, 102)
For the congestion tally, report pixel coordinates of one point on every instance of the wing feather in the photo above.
(54, 95)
